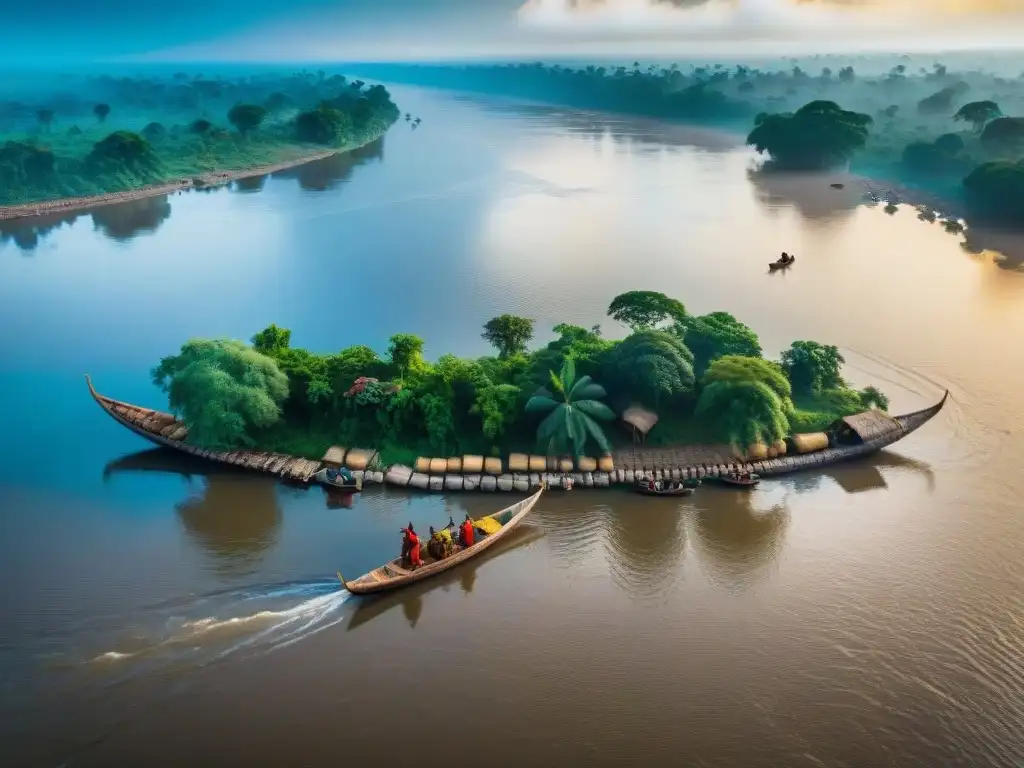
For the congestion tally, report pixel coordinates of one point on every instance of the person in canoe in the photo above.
(466, 532)
(411, 548)
(440, 544)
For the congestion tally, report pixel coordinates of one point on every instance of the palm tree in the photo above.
(571, 417)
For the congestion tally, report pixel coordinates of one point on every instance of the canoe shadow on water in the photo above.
(369, 607)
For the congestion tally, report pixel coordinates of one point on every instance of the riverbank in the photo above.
(201, 181)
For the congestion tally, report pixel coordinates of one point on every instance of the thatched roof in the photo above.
(640, 418)
(335, 455)
(871, 424)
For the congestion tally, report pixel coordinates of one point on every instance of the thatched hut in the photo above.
(862, 427)
(640, 420)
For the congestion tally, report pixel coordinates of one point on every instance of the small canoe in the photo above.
(393, 575)
(335, 481)
(740, 482)
(781, 264)
(644, 490)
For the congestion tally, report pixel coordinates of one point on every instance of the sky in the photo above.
(348, 30)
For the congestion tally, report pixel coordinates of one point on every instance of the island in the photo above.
(949, 140)
(108, 139)
(684, 394)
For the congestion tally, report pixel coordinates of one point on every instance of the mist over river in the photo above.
(158, 611)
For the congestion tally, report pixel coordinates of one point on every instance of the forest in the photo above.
(85, 135)
(957, 135)
(704, 375)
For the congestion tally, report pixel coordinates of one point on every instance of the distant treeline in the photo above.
(952, 133)
(116, 134)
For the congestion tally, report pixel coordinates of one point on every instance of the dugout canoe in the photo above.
(393, 576)
(169, 431)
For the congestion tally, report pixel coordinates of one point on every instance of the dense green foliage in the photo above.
(118, 133)
(996, 190)
(546, 400)
(223, 390)
(818, 135)
(572, 408)
(509, 334)
(645, 309)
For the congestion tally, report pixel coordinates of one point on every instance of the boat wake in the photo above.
(214, 626)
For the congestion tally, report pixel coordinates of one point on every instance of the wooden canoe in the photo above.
(781, 264)
(338, 484)
(393, 576)
(167, 430)
(739, 482)
(644, 490)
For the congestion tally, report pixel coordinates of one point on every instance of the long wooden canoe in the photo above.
(644, 490)
(169, 431)
(392, 575)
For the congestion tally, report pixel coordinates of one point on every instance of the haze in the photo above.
(338, 30)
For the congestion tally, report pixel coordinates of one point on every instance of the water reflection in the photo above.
(126, 220)
(236, 516)
(810, 194)
(331, 172)
(646, 542)
(865, 474)
(737, 535)
(249, 184)
(621, 129)
(118, 221)
(1003, 246)
(411, 597)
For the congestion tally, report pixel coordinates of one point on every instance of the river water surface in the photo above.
(159, 612)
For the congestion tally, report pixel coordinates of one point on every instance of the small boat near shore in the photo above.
(393, 576)
(644, 489)
(339, 480)
(739, 482)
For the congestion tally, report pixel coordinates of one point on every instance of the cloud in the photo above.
(779, 20)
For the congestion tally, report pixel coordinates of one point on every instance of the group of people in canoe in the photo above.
(440, 544)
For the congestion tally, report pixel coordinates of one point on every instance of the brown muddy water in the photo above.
(160, 612)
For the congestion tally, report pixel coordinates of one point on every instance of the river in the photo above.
(159, 612)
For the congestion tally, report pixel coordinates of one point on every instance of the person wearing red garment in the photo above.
(411, 547)
(466, 534)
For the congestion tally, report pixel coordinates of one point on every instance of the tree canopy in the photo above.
(246, 117)
(509, 334)
(978, 113)
(716, 334)
(405, 350)
(1004, 134)
(738, 368)
(223, 390)
(641, 310)
(123, 149)
(652, 365)
(996, 191)
(323, 125)
(743, 411)
(818, 135)
(573, 409)
(813, 367)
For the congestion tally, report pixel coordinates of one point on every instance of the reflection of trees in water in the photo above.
(808, 193)
(1004, 246)
(26, 233)
(735, 542)
(331, 172)
(645, 540)
(249, 184)
(123, 221)
(118, 221)
(621, 128)
(235, 518)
